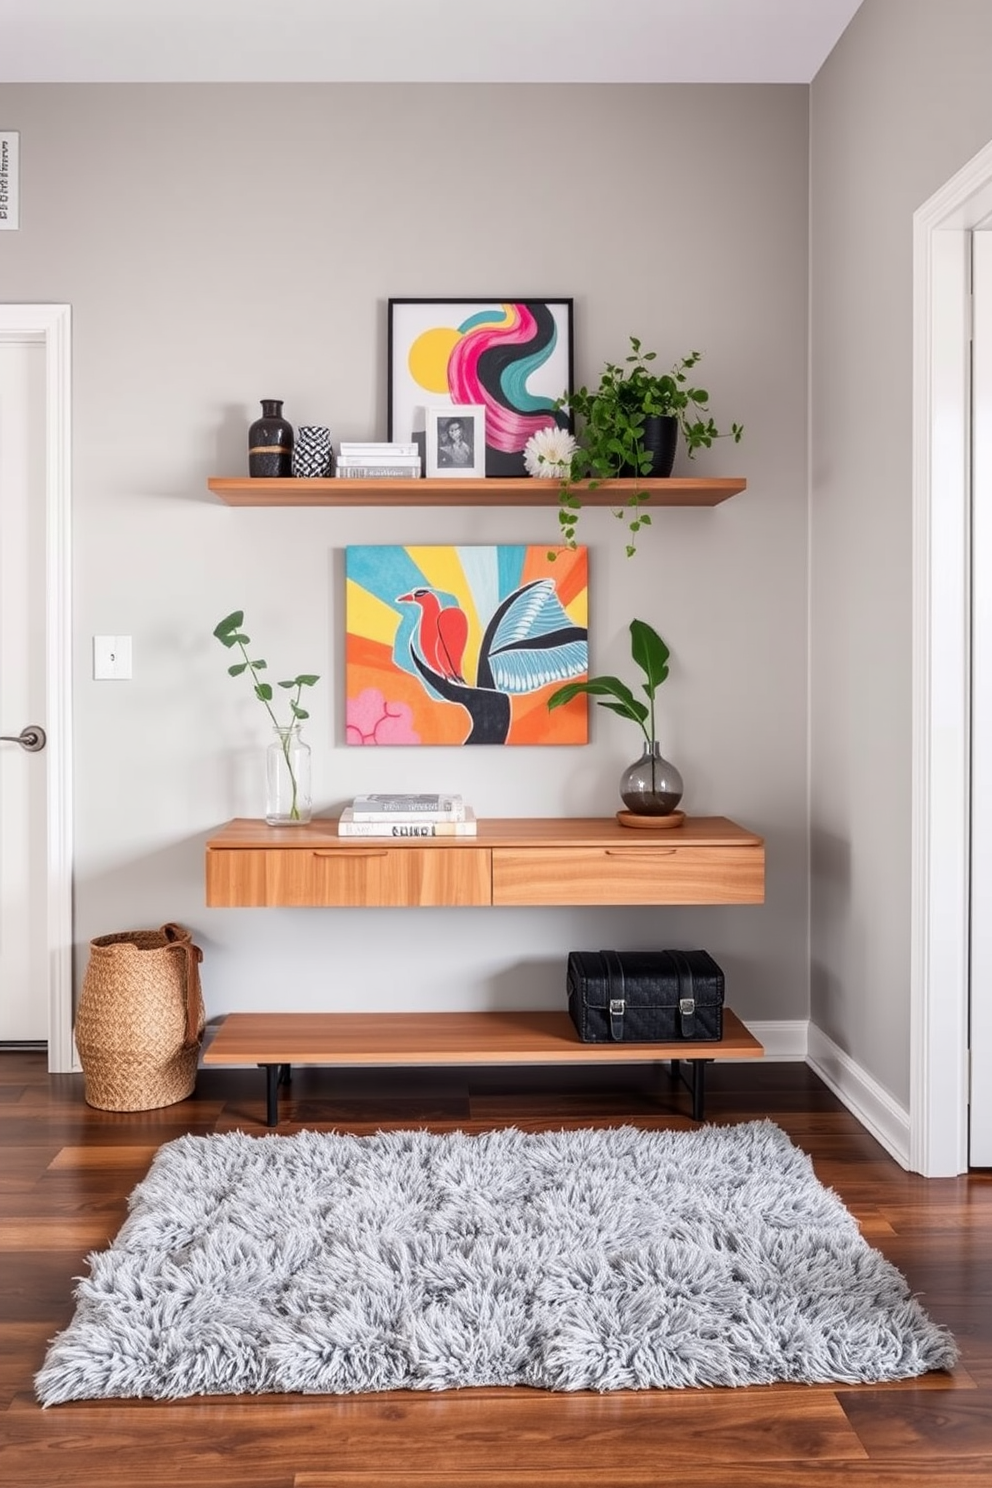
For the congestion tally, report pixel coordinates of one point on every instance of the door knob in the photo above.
(31, 738)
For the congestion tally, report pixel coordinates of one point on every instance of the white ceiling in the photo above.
(498, 41)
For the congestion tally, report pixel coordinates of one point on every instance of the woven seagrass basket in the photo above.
(139, 1025)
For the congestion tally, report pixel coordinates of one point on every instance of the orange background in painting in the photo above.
(371, 665)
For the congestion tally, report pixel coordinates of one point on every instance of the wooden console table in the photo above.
(511, 862)
(514, 861)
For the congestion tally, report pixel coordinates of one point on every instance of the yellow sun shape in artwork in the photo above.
(428, 358)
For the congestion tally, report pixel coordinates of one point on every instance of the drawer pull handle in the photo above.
(639, 854)
(351, 852)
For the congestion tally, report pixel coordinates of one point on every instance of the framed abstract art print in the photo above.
(512, 357)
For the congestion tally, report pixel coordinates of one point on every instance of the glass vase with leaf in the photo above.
(288, 800)
(651, 787)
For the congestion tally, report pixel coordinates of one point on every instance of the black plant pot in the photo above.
(270, 442)
(660, 438)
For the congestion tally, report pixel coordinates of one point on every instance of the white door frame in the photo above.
(939, 990)
(980, 888)
(50, 325)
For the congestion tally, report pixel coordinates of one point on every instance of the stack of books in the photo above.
(378, 461)
(407, 816)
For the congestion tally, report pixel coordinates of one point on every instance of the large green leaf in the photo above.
(626, 704)
(633, 710)
(650, 653)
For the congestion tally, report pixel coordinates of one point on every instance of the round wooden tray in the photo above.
(654, 823)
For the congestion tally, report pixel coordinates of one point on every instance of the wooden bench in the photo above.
(277, 1041)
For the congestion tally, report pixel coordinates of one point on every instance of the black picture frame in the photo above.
(515, 357)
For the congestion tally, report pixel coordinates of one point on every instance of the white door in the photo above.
(24, 979)
(980, 1115)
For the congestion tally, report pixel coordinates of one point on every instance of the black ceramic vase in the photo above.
(270, 442)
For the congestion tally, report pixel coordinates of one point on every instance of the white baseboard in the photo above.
(873, 1106)
(782, 1039)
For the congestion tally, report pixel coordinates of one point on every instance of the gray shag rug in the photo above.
(572, 1260)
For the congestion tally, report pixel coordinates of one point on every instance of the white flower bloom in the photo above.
(548, 453)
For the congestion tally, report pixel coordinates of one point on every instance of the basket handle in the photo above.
(178, 939)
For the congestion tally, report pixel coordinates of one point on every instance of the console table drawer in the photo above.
(639, 874)
(356, 876)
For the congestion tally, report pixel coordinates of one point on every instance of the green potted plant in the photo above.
(630, 426)
(651, 786)
(287, 762)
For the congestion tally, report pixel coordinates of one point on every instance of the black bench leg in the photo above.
(272, 1076)
(698, 1089)
(695, 1084)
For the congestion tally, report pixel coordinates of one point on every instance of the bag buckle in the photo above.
(687, 1006)
(617, 1006)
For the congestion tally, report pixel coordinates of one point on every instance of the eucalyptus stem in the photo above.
(285, 734)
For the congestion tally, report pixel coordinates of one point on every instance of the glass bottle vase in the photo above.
(651, 786)
(288, 801)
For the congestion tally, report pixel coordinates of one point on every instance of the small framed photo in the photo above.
(456, 440)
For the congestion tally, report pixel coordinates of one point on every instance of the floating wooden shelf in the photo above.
(244, 491)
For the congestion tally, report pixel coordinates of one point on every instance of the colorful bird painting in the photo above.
(528, 643)
(442, 634)
(475, 644)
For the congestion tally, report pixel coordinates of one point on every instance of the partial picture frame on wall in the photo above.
(512, 357)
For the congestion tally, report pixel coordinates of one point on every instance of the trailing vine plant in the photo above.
(610, 442)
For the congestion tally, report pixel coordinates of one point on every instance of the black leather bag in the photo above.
(645, 997)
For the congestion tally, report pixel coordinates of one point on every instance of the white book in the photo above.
(379, 460)
(387, 817)
(403, 453)
(372, 448)
(421, 827)
(385, 804)
(378, 472)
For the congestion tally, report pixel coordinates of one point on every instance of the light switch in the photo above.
(112, 658)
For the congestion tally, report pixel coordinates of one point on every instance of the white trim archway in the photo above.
(51, 325)
(941, 665)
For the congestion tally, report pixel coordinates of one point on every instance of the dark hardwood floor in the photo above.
(66, 1171)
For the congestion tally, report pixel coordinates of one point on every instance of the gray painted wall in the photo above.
(221, 244)
(901, 104)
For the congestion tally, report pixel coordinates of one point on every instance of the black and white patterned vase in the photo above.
(312, 455)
